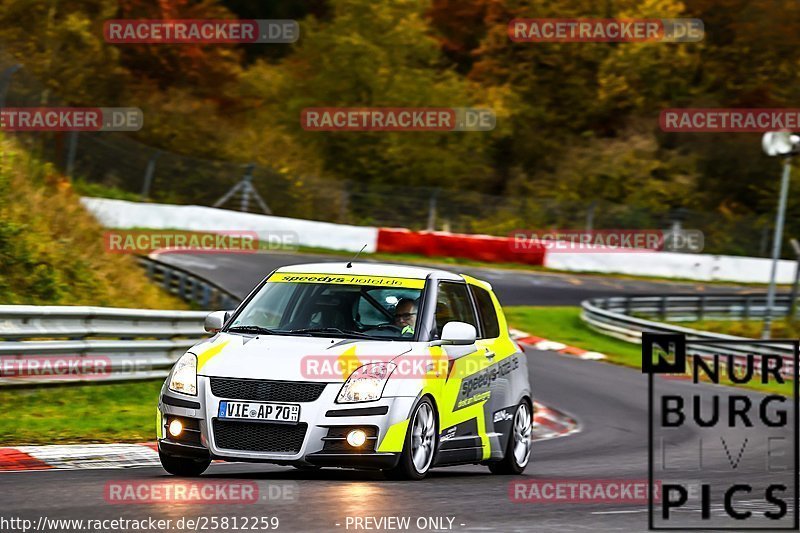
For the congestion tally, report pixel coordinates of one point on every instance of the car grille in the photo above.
(258, 437)
(266, 391)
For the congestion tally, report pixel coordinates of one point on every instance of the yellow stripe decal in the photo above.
(349, 362)
(205, 357)
(159, 425)
(347, 279)
(395, 437)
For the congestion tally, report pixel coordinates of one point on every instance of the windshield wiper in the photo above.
(337, 331)
(252, 329)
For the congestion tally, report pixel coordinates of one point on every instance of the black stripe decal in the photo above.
(180, 402)
(360, 411)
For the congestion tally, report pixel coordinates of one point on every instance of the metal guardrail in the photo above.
(188, 286)
(92, 344)
(612, 316)
(26, 322)
(681, 308)
(60, 344)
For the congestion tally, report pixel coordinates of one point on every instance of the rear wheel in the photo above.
(183, 467)
(518, 450)
(420, 445)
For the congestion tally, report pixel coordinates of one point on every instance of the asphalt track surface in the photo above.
(610, 402)
(239, 273)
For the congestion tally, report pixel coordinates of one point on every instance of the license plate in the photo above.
(273, 412)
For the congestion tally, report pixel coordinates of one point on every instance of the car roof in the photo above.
(371, 269)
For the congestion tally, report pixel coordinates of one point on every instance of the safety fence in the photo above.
(613, 317)
(117, 164)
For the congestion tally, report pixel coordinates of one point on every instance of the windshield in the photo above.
(333, 306)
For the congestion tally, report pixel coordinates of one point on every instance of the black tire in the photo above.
(406, 468)
(510, 465)
(183, 467)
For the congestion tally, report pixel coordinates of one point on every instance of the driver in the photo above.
(405, 315)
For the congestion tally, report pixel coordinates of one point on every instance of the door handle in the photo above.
(489, 354)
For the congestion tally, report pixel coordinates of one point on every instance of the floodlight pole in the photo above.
(793, 298)
(766, 333)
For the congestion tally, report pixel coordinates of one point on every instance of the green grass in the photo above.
(114, 412)
(563, 324)
(782, 328)
(52, 251)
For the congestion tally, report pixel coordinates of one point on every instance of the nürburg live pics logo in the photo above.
(723, 433)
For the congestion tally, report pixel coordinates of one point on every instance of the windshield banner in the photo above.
(346, 279)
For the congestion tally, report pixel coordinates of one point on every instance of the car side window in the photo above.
(453, 305)
(489, 322)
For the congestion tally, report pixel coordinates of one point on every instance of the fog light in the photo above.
(356, 438)
(175, 428)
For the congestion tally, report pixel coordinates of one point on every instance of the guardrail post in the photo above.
(663, 308)
(190, 283)
(181, 285)
(701, 308)
(166, 280)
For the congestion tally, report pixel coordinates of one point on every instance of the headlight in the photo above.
(184, 375)
(366, 384)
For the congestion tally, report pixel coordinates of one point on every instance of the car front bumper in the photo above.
(322, 444)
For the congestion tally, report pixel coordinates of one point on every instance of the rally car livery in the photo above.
(352, 365)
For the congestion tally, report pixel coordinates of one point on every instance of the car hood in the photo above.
(290, 358)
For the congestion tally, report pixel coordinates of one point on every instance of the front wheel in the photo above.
(420, 446)
(518, 450)
(180, 466)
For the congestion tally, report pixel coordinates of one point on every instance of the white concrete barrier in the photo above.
(700, 267)
(123, 214)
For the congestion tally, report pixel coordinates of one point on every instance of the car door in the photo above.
(507, 371)
(463, 437)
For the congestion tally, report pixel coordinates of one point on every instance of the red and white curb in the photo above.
(552, 346)
(78, 456)
(548, 423)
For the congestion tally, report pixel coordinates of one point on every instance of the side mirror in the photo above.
(458, 333)
(215, 321)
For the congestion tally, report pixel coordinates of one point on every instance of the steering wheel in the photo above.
(390, 327)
